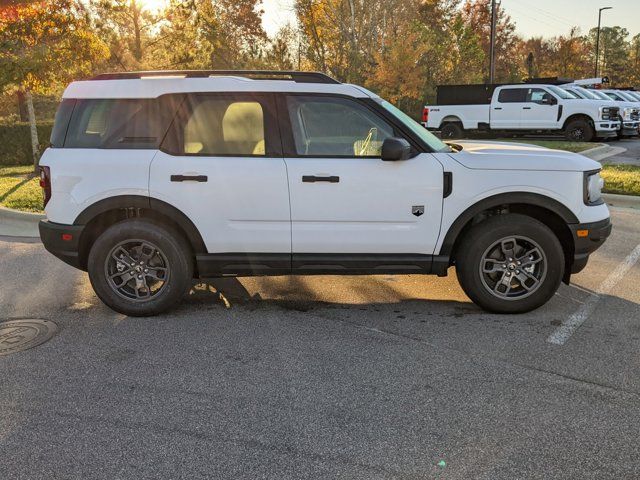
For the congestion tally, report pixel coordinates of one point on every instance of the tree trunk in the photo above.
(22, 107)
(35, 147)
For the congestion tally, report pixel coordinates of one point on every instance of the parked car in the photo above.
(520, 108)
(629, 112)
(154, 179)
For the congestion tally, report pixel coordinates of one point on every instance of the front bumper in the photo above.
(630, 128)
(63, 241)
(607, 129)
(588, 237)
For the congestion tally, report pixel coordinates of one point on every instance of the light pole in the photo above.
(492, 44)
(598, 38)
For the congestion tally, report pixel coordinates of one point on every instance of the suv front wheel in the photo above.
(510, 263)
(140, 268)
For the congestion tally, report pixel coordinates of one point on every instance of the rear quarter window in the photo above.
(61, 122)
(120, 123)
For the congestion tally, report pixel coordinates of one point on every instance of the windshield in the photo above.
(562, 93)
(425, 135)
(600, 95)
(635, 95)
(626, 96)
(585, 93)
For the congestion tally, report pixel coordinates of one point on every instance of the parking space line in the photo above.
(569, 327)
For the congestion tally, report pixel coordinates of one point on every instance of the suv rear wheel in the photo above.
(510, 264)
(140, 268)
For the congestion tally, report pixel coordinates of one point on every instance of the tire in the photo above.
(451, 131)
(579, 130)
(482, 247)
(140, 289)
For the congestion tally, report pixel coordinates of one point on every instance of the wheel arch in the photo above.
(451, 119)
(578, 116)
(100, 215)
(547, 210)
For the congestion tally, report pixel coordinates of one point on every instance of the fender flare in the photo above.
(147, 203)
(523, 198)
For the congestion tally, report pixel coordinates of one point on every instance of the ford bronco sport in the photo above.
(156, 178)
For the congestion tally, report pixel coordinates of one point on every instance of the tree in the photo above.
(614, 49)
(43, 45)
(128, 28)
(477, 15)
(210, 34)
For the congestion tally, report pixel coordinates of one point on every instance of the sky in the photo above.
(547, 18)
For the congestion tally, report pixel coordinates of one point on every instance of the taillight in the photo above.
(45, 183)
(425, 114)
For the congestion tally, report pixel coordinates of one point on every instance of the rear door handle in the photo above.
(189, 178)
(497, 108)
(313, 179)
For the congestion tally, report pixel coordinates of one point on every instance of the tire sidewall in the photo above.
(454, 129)
(174, 248)
(482, 236)
(587, 129)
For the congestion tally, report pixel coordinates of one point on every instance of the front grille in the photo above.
(614, 112)
(635, 115)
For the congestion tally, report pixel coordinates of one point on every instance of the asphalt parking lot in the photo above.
(324, 377)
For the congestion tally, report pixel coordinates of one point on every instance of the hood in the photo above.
(519, 156)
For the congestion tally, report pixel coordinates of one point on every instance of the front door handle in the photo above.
(313, 179)
(526, 108)
(189, 178)
(497, 108)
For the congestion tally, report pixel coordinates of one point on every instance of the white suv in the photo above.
(156, 178)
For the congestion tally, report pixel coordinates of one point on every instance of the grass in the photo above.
(621, 179)
(556, 144)
(19, 189)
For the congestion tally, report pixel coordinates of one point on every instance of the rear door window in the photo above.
(223, 125)
(512, 95)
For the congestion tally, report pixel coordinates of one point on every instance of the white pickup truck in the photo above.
(521, 108)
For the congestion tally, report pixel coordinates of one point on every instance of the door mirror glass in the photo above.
(394, 148)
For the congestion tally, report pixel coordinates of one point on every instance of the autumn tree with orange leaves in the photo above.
(44, 45)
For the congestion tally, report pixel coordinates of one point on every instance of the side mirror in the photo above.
(549, 100)
(394, 148)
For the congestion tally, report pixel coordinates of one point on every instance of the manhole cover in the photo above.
(18, 335)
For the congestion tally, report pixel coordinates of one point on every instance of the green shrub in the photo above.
(15, 142)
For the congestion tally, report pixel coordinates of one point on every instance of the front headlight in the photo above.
(626, 115)
(605, 113)
(593, 185)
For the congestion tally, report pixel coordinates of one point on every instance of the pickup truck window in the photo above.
(538, 95)
(512, 95)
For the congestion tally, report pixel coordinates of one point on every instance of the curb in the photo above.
(9, 213)
(601, 152)
(19, 224)
(625, 201)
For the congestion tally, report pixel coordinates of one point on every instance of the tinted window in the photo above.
(210, 124)
(120, 123)
(63, 116)
(512, 95)
(331, 126)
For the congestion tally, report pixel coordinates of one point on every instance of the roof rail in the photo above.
(299, 77)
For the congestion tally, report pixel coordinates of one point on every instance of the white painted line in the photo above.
(569, 327)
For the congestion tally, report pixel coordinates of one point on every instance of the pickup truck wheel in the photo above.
(452, 131)
(579, 131)
(510, 264)
(140, 268)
